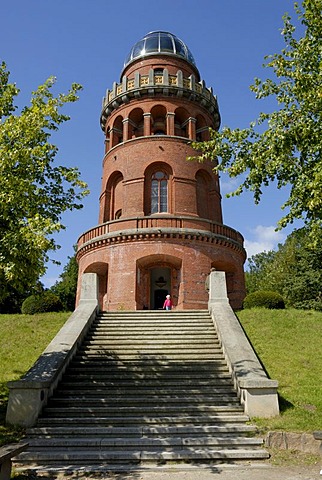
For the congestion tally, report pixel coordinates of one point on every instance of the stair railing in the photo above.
(257, 392)
(30, 394)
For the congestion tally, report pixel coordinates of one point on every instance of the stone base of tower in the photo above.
(137, 270)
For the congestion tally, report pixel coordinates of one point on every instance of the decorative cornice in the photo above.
(148, 234)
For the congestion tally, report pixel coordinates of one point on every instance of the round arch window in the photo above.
(159, 192)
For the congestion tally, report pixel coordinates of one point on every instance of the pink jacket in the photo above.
(167, 303)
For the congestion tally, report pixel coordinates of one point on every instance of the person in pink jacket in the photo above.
(167, 303)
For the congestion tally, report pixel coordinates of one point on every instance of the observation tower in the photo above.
(160, 228)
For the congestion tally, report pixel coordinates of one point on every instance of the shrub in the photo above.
(41, 303)
(264, 298)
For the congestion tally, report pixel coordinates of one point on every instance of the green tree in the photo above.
(284, 145)
(12, 299)
(34, 190)
(66, 288)
(294, 270)
(257, 267)
(300, 263)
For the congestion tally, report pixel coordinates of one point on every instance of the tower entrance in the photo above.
(157, 276)
(160, 286)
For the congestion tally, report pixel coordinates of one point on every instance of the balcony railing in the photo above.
(188, 86)
(171, 223)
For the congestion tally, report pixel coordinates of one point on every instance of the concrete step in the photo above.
(147, 366)
(134, 443)
(105, 373)
(148, 328)
(139, 410)
(153, 355)
(83, 457)
(233, 429)
(146, 392)
(111, 378)
(220, 376)
(166, 327)
(166, 330)
(219, 373)
(224, 418)
(155, 314)
(144, 400)
(123, 334)
(163, 364)
(162, 347)
(153, 341)
(161, 317)
(133, 387)
(155, 347)
(168, 320)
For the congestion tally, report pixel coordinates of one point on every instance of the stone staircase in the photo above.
(145, 386)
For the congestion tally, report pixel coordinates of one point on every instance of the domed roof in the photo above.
(162, 43)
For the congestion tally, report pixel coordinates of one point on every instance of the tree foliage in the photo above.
(284, 145)
(256, 270)
(294, 271)
(66, 288)
(11, 299)
(34, 190)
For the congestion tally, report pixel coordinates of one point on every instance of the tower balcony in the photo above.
(160, 227)
(159, 84)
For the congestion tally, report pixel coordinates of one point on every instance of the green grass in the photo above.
(288, 343)
(22, 339)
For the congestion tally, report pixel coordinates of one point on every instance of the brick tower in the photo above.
(160, 224)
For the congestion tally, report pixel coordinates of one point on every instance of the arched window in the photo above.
(202, 195)
(118, 214)
(113, 199)
(159, 192)
(158, 120)
(136, 127)
(202, 129)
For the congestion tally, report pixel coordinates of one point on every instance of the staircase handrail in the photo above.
(257, 392)
(30, 394)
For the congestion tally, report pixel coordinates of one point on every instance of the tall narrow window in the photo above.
(159, 192)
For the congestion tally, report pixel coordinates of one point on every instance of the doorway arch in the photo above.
(157, 276)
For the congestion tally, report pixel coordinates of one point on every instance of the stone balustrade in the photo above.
(257, 392)
(159, 83)
(135, 228)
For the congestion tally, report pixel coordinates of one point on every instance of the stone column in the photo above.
(170, 123)
(147, 124)
(192, 128)
(125, 129)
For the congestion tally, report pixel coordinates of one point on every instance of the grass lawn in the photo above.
(22, 339)
(288, 343)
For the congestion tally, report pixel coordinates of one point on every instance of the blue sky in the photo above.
(86, 41)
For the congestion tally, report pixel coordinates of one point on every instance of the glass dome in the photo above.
(160, 43)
